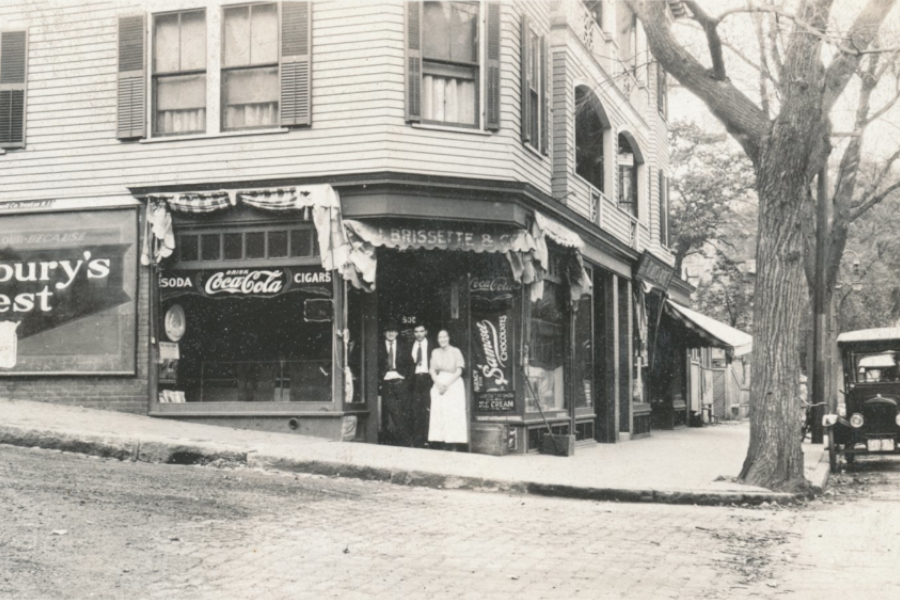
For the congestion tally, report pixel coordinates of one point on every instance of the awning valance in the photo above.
(715, 333)
(558, 232)
(318, 202)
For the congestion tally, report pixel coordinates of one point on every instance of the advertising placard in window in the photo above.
(493, 344)
(69, 283)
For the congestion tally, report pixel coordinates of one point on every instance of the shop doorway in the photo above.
(427, 286)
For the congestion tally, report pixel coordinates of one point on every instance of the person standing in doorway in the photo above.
(420, 386)
(393, 366)
(449, 423)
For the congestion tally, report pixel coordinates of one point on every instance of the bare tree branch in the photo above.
(743, 119)
(713, 40)
(764, 72)
(860, 36)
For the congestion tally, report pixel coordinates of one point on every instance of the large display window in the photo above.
(246, 335)
(547, 350)
(68, 293)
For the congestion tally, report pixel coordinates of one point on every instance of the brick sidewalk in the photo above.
(669, 466)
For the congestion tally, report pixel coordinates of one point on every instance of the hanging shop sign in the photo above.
(654, 272)
(493, 345)
(69, 281)
(267, 282)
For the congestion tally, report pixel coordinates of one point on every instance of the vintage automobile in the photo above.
(867, 419)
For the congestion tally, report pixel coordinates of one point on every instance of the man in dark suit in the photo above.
(420, 386)
(394, 361)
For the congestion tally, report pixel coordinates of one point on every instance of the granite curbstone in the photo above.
(105, 447)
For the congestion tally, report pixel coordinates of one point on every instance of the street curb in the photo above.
(177, 452)
(152, 451)
(456, 482)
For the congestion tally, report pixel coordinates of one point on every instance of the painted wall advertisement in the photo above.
(68, 289)
(493, 344)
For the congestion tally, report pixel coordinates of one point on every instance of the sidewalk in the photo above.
(670, 466)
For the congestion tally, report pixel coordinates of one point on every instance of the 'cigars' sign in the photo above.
(493, 353)
(245, 283)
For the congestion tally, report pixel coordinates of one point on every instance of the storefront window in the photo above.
(583, 364)
(247, 335)
(547, 344)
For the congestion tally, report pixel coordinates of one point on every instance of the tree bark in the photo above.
(786, 154)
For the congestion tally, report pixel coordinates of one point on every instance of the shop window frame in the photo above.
(237, 263)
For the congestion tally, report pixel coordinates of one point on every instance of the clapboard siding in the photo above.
(500, 155)
(358, 111)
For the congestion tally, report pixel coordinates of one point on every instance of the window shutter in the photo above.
(296, 64)
(663, 209)
(413, 61)
(13, 58)
(661, 91)
(525, 92)
(492, 98)
(131, 116)
(545, 96)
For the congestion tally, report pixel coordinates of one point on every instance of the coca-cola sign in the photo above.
(493, 284)
(246, 283)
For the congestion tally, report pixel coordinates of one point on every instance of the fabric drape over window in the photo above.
(319, 202)
(545, 228)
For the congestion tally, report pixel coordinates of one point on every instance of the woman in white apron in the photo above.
(448, 423)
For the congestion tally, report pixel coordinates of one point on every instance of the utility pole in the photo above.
(821, 354)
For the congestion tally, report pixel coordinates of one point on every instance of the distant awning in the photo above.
(432, 235)
(715, 333)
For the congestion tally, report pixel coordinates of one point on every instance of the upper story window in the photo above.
(245, 66)
(450, 63)
(179, 73)
(591, 126)
(450, 75)
(250, 90)
(629, 161)
(595, 9)
(13, 72)
(534, 56)
(627, 37)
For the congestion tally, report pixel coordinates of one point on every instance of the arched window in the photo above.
(629, 160)
(590, 125)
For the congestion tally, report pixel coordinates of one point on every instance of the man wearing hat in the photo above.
(394, 363)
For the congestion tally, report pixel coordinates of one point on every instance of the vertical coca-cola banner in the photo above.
(493, 343)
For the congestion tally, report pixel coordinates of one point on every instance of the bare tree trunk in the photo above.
(774, 458)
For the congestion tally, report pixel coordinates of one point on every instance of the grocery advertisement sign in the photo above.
(68, 289)
(493, 344)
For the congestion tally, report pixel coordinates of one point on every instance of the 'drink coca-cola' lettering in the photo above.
(245, 282)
